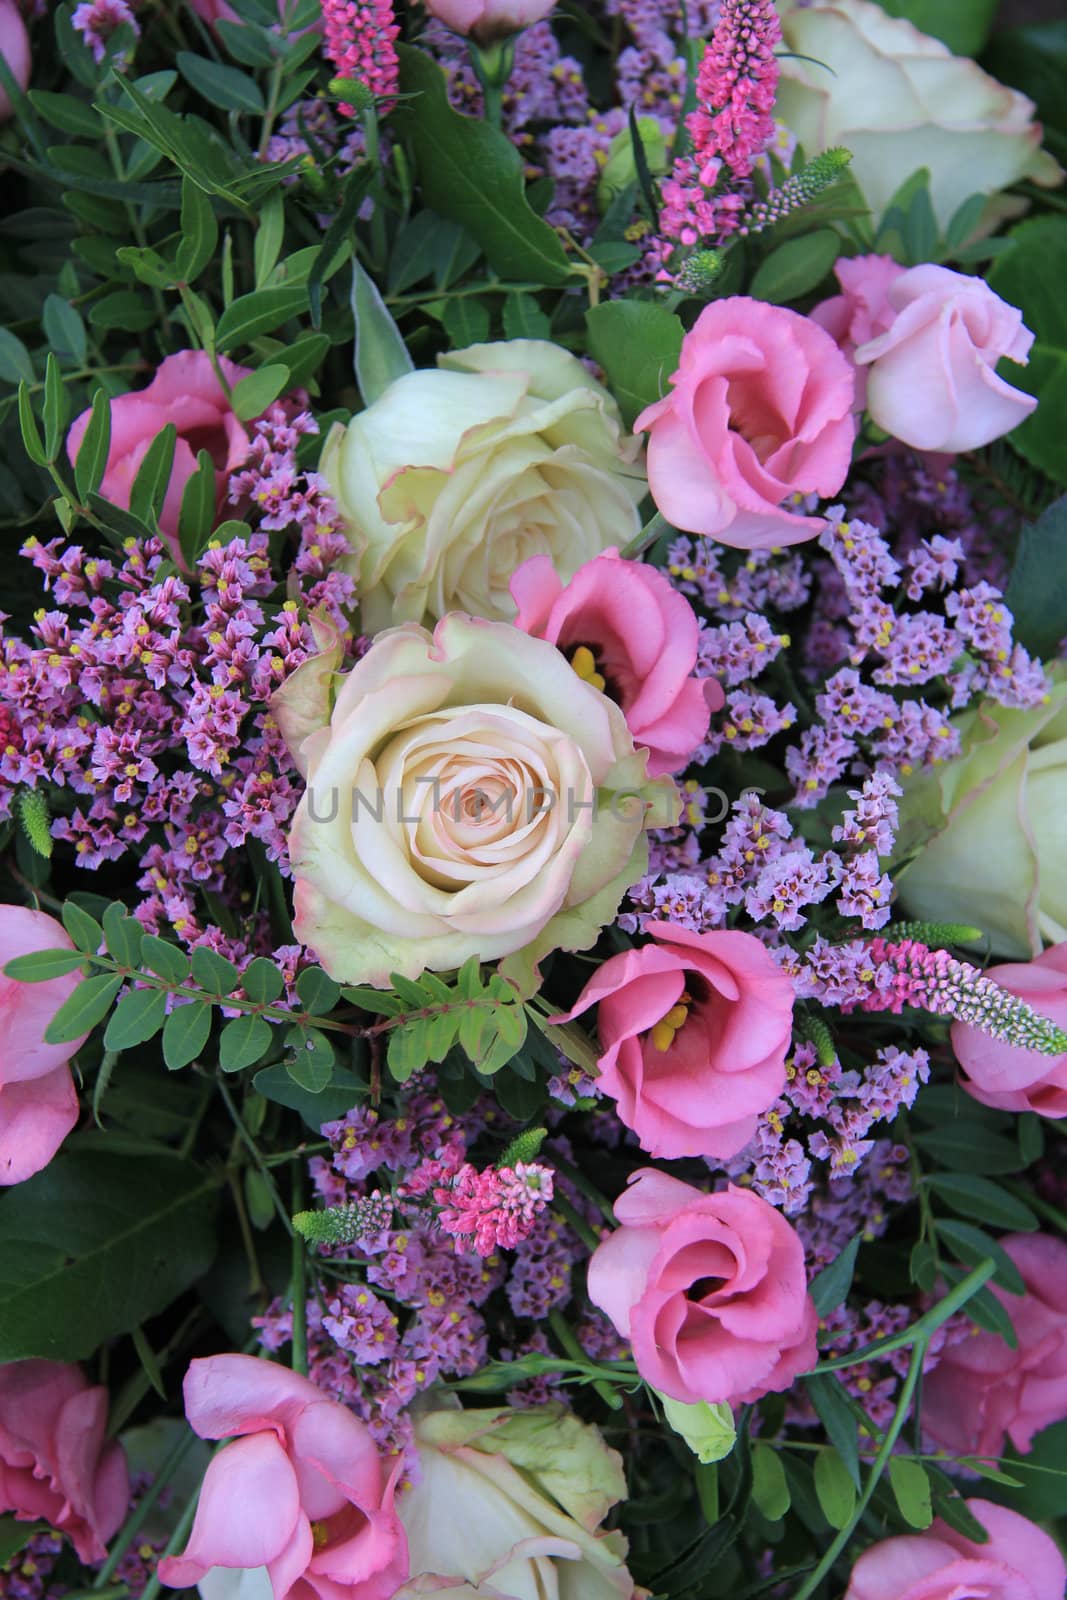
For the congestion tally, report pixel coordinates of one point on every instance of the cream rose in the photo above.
(900, 100)
(456, 476)
(468, 794)
(509, 1503)
(992, 826)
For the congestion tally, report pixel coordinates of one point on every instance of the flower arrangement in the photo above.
(533, 755)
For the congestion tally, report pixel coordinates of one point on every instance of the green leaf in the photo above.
(147, 1357)
(638, 345)
(43, 965)
(90, 1001)
(84, 929)
(149, 488)
(14, 1536)
(831, 1402)
(219, 85)
(161, 957)
(911, 1490)
(31, 437)
(312, 1059)
(381, 356)
(196, 518)
(337, 241)
(213, 972)
(1039, 580)
(1030, 275)
(185, 1033)
(466, 321)
(260, 312)
(317, 991)
(124, 935)
(982, 1201)
(252, 395)
(473, 174)
(971, 1246)
(262, 982)
(64, 329)
(305, 356)
(965, 219)
(243, 1041)
(797, 267)
(408, 1050)
(63, 111)
(137, 1018)
(117, 1237)
(964, 25)
(124, 309)
(984, 1309)
(922, 1266)
(1030, 1133)
(509, 1026)
(376, 1000)
(342, 1092)
(430, 245)
(835, 1489)
(270, 234)
(770, 1490)
(829, 1288)
(200, 232)
(250, 46)
(56, 409)
(969, 1147)
(16, 362)
(524, 319)
(91, 464)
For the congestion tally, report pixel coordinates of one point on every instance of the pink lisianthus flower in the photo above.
(1002, 1075)
(695, 1029)
(488, 20)
(760, 411)
(626, 629)
(38, 1103)
(709, 1289)
(186, 391)
(982, 1389)
(56, 1466)
(1018, 1562)
(301, 1490)
(15, 49)
(932, 381)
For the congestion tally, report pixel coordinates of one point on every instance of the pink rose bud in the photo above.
(627, 630)
(1018, 1562)
(694, 1029)
(187, 392)
(56, 1466)
(300, 1491)
(1002, 1075)
(488, 20)
(759, 411)
(709, 1289)
(38, 1105)
(15, 49)
(932, 380)
(982, 1389)
(862, 311)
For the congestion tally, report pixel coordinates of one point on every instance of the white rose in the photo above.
(468, 794)
(900, 100)
(992, 826)
(457, 475)
(513, 1501)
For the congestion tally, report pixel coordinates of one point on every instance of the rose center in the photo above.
(704, 1287)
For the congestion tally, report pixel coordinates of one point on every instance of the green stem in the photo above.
(927, 1324)
(881, 1461)
(132, 1527)
(153, 1587)
(298, 1289)
(585, 1233)
(656, 526)
(565, 1334)
(253, 1150)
